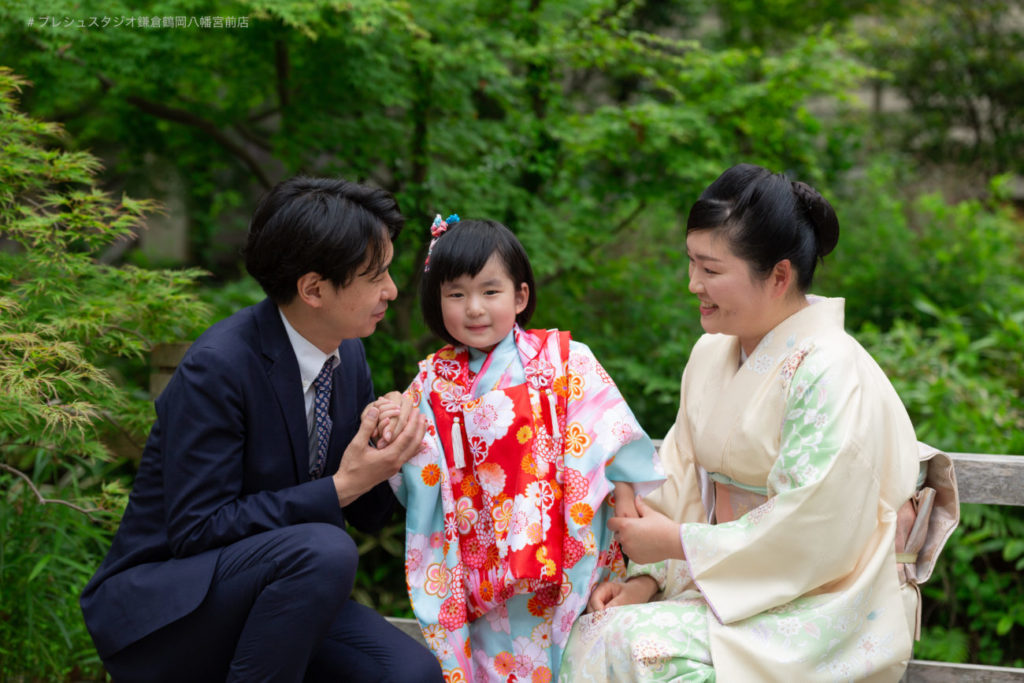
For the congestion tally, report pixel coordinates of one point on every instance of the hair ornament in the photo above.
(438, 228)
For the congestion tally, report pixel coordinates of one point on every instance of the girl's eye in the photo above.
(710, 272)
(491, 292)
(453, 295)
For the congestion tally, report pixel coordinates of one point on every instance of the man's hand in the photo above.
(638, 589)
(364, 466)
(651, 537)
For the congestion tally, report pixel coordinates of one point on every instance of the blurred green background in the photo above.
(136, 138)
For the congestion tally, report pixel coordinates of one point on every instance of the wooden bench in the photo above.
(981, 478)
(989, 480)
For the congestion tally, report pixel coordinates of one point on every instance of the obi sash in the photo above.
(504, 453)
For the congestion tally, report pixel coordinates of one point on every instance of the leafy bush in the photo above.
(65, 315)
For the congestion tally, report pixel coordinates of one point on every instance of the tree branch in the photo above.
(283, 67)
(187, 118)
(177, 115)
(43, 500)
(622, 225)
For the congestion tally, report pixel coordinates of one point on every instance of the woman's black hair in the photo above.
(767, 218)
(327, 226)
(464, 249)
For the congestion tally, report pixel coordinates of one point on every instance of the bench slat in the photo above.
(983, 478)
(921, 671)
(991, 479)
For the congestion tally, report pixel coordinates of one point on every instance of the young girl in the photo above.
(508, 497)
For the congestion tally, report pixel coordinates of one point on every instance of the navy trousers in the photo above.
(278, 609)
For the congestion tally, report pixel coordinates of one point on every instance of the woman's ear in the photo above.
(522, 297)
(782, 276)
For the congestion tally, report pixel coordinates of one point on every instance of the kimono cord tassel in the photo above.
(458, 454)
(555, 435)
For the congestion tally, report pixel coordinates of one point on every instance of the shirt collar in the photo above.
(310, 358)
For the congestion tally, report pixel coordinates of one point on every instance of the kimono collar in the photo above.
(505, 346)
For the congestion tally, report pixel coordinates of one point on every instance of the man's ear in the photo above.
(310, 289)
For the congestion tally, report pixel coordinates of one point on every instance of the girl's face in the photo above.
(731, 300)
(480, 311)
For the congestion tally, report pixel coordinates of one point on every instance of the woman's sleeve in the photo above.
(815, 527)
(679, 498)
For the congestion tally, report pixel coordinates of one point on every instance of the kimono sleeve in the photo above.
(424, 467)
(679, 498)
(600, 423)
(816, 527)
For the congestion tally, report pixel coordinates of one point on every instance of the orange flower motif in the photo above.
(456, 675)
(470, 487)
(529, 465)
(561, 386)
(524, 434)
(576, 439)
(556, 488)
(581, 513)
(447, 353)
(493, 557)
(539, 607)
(541, 675)
(576, 385)
(486, 591)
(431, 474)
(504, 662)
(465, 648)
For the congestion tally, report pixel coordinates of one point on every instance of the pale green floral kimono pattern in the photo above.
(668, 640)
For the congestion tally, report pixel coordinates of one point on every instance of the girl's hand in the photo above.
(624, 495)
(388, 414)
(637, 590)
(650, 537)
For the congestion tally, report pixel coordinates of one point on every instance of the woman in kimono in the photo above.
(508, 499)
(769, 554)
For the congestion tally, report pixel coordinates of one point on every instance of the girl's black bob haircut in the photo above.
(464, 249)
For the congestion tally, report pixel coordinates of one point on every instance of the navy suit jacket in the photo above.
(227, 458)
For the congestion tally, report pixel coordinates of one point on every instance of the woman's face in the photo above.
(731, 300)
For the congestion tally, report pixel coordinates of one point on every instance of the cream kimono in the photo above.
(804, 453)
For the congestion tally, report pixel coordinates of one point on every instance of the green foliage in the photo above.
(959, 66)
(64, 315)
(587, 126)
(576, 123)
(935, 293)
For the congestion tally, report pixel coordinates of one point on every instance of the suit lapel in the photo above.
(283, 373)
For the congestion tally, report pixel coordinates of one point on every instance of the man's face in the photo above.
(355, 309)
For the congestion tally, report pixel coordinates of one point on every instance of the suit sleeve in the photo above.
(204, 426)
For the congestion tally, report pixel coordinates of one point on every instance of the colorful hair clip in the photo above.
(438, 228)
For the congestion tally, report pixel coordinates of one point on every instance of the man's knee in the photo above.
(417, 665)
(328, 553)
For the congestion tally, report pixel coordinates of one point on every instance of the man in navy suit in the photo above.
(232, 561)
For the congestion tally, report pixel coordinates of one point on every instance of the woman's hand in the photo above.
(637, 590)
(651, 537)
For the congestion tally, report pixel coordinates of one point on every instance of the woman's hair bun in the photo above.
(820, 214)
